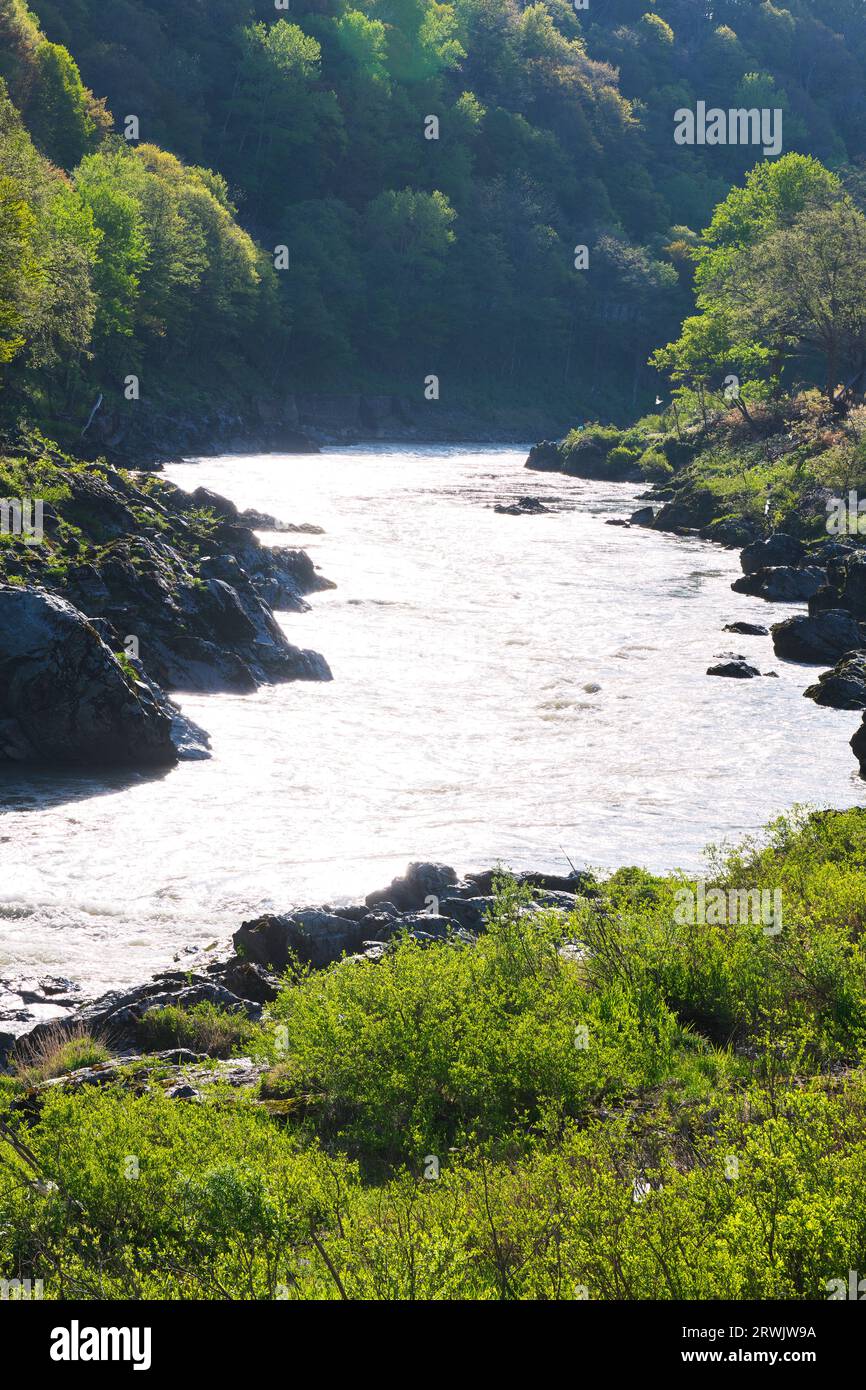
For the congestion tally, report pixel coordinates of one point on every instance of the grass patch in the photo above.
(201, 1028)
(57, 1054)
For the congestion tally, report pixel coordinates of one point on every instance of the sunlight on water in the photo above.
(525, 689)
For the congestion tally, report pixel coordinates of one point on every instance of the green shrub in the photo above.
(654, 466)
(430, 1045)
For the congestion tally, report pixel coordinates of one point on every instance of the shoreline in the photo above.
(429, 903)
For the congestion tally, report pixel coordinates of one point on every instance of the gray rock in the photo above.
(747, 629)
(858, 746)
(817, 639)
(524, 506)
(779, 549)
(782, 584)
(420, 882)
(469, 913)
(844, 687)
(545, 457)
(737, 670)
(183, 1091)
(317, 938)
(64, 697)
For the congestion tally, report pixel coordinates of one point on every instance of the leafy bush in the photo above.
(654, 465)
(428, 1046)
(702, 1139)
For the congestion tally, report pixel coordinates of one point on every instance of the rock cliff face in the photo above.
(64, 696)
(136, 588)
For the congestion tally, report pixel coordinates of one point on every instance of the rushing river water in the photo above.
(530, 690)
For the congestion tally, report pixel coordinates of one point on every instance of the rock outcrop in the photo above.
(782, 583)
(777, 550)
(64, 696)
(844, 687)
(817, 639)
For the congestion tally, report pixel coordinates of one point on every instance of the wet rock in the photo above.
(747, 629)
(618, 521)
(778, 549)
(817, 639)
(524, 506)
(858, 746)
(736, 670)
(784, 584)
(263, 521)
(644, 516)
(844, 687)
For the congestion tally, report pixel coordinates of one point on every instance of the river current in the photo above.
(530, 690)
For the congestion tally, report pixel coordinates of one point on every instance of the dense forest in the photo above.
(229, 199)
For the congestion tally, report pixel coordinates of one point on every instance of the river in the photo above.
(530, 690)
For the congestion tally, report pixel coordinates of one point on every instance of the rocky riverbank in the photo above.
(795, 562)
(133, 590)
(430, 903)
(145, 436)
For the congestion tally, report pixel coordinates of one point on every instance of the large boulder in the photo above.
(846, 586)
(779, 549)
(545, 456)
(679, 516)
(747, 629)
(315, 937)
(844, 687)
(819, 639)
(64, 697)
(410, 893)
(782, 583)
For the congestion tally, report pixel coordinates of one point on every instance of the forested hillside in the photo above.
(405, 255)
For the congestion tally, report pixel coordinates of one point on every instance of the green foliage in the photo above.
(202, 1028)
(429, 1046)
(702, 1139)
(779, 281)
(654, 465)
(60, 1053)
